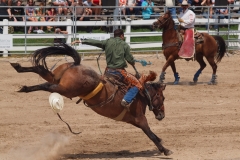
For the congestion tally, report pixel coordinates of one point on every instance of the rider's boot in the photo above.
(129, 96)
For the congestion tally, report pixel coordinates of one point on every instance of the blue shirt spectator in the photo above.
(170, 4)
(147, 9)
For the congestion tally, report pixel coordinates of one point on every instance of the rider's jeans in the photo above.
(131, 93)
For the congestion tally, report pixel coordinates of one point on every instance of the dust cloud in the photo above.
(50, 148)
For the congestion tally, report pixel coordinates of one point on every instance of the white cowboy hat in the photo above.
(56, 102)
(184, 3)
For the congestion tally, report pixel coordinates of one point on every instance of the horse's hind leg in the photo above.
(141, 122)
(211, 61)
(21, 69)
(202, 64)
(47, 75)
(52, 77)
(49, 88)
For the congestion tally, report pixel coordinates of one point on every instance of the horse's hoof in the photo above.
(212, 83)
(15, 66)
(195, 80)
(22, 89)
(175, 82)
(168, 152)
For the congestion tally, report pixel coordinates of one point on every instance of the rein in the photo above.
(98, 62)
(153, 97)
(161, 23)
(164, 46)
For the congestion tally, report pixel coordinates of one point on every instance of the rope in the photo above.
(98, 62)
(143, 62)
(67, 125)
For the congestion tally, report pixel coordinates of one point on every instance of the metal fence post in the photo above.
(69, 30)
(5, 31)
(239, 30)
(128, 32)
(5, 26)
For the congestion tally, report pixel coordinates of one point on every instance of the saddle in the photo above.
(117, 81)
(124, 86)
(198, 37)
(187, 42)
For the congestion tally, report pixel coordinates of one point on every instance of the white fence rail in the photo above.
(128, 34)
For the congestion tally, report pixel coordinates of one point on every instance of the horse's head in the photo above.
(163, 21)
(156, 93)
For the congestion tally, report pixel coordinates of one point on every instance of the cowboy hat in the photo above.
(56, 102)
(184, 3)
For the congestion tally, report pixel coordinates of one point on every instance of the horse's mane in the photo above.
(170, 18)
(39, 56)
(150, 78)
(155, 85)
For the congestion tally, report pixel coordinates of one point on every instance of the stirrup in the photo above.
(126, 105)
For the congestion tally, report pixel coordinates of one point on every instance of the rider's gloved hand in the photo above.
(180, 20)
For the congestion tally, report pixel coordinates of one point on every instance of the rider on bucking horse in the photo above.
(187, 22)
(117, 53)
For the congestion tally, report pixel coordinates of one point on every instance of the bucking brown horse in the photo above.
(212, 48)
(101, 94)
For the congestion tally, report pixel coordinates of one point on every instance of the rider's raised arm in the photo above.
(93, 42)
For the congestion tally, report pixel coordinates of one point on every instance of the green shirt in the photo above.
(116, 50)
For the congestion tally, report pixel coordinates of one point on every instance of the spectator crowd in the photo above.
(86, 10)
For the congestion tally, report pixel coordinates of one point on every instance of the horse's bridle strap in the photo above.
(93, 93)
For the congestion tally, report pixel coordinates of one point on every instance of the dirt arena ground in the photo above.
(202, 122)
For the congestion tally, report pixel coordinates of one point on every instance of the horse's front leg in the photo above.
(141, 122)
(176, 75)
(170, 61)
(49, 87)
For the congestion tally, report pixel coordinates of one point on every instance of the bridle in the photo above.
(162, 23)
(155, 97)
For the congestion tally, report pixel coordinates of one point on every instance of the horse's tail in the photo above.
(221, 47)
(39, 56)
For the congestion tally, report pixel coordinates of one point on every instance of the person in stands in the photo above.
(62, 8)
(5, 12)
(30, 12)
(94, 7)
(17, 12)
(81, 13)
(170, 4)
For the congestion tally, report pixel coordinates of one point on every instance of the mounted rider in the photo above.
(187, 22)
(117, 53)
